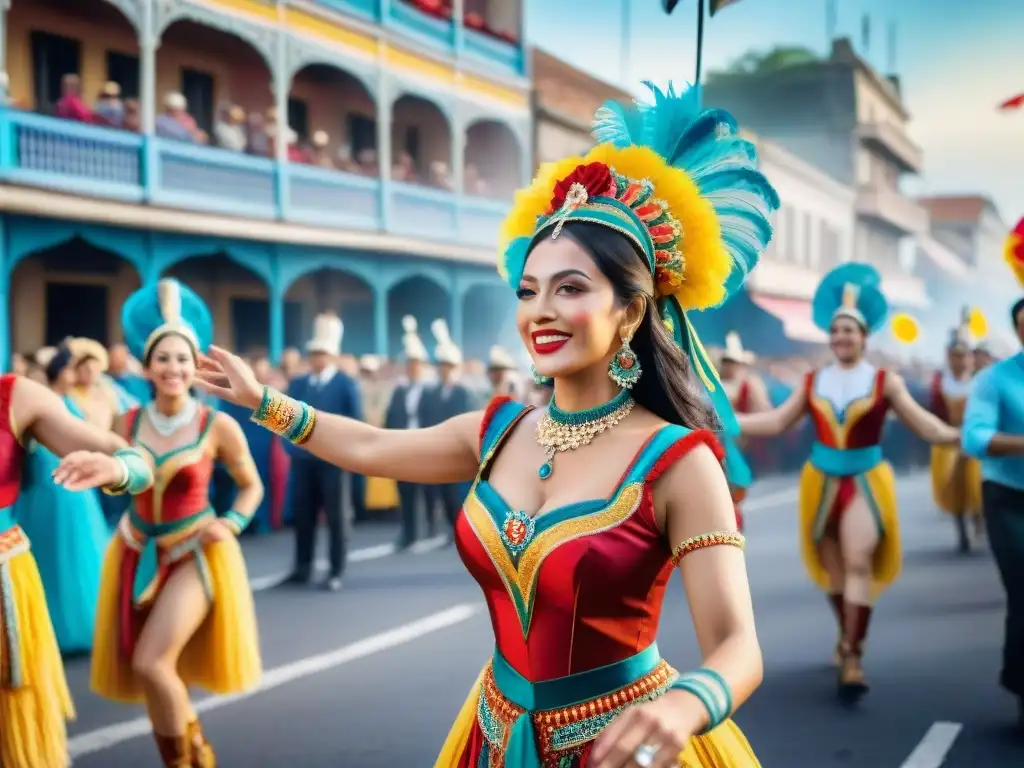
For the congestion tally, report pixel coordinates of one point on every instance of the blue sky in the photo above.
(956, 66)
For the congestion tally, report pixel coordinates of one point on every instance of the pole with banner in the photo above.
(715, 7)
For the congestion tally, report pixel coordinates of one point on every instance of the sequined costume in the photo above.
(34, 696)
(575, 599)
(848, 409)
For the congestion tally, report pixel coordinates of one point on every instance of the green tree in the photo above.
(762, 62)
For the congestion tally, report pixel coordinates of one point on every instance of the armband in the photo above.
(137, 474)
(292, 419)
(718, 538)
(236, 521)
(713, 692)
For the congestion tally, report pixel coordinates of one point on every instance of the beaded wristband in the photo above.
(236, 521)
(713, 692)
(137, 474)
(285, 416)
(714, 539)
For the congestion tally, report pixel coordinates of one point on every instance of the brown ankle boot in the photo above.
(838, 605)
(175, 751)
(202, 752)
(851, 674)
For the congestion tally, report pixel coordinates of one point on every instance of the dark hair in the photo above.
(668, 388)
(153, 344)
(60, 360)
(1018, 307)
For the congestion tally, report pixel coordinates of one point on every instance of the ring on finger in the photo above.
(644, 755)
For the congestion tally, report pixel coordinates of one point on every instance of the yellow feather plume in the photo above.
(905, 328)
(977, 324)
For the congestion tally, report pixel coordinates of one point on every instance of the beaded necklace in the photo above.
(559, 430)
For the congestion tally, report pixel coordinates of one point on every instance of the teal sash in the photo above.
(561, 692)
(157, 530)
(847, 462)
(7, 518)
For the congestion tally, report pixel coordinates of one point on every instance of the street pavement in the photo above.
(371, 677)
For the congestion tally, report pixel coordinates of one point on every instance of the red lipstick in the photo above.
(548, 342)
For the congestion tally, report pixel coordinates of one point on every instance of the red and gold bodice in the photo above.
(949, 397)
(180, 494)
(845, 419)
(12, 454)
(578, 587)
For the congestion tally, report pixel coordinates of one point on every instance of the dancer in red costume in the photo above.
(34, 697)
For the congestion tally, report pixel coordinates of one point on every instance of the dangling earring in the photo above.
(624, 369)
(538, 379)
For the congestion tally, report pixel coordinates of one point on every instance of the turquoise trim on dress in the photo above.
(845, 462)
(561, 692)
(6, 519)
(502, 418)
(156, 530)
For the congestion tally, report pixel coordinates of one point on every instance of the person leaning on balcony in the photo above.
(229, 131)
(109, 107)
(320, 154)
(175, 122)
(71, 105)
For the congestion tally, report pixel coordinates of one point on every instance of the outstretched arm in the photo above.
(39, 411)
(759, 401)
(447, 453)
(775, 421)
(918, 419)
(981, 435)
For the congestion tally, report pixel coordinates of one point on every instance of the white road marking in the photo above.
(262, 583)
(112, 735)
(932, 751)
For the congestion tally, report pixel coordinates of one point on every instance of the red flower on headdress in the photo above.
(596, 178)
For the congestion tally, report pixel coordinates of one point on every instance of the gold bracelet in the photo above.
(717, 538)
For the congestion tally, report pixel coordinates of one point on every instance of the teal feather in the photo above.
(871, 302)
(621, 125)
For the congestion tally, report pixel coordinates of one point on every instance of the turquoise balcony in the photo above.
(91, 161)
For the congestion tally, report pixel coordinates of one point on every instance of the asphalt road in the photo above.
(371, 677)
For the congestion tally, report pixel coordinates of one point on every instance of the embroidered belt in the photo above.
(547, 724)
(13, 542)
(845, 462)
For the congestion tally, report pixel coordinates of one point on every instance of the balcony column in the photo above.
(380, 321)
(385, 115)
(459, 19)
(5, 85)
(456, 301)
(281, 78)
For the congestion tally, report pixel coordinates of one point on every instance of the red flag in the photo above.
(1015, 103)
(717, 5)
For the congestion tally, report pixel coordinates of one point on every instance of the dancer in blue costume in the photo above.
(66, 528)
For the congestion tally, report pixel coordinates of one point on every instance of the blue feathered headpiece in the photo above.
(851, 290)
(154, 311)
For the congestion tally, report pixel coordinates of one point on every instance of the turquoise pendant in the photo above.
(545, 470)
(517, 531)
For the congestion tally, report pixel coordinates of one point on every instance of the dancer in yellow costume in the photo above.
(34, 697)
(956, 478)
(196, 622)
(849, 528)
(607, 253)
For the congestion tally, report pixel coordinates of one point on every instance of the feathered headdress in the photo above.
(159, 309)
(678, 182)
(412, 345)
(851, 290)
(328, 331)
(1014, 252)
(972, 329)
(446, 351)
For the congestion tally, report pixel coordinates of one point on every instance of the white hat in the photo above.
(321, 139)
(499, 359)
(734, 350)
(411, 343)
(370, 363)
(328, 331)
(175, 100)
(445, 351)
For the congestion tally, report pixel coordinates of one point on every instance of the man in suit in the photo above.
(501, 370)
(447, 399)
(315, 485)
(405, 412)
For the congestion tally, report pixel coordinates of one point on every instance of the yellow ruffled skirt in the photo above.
(223, 656)
(381, 493)
(818, 494)
(724, 747)
(956, 481)
(33, 733)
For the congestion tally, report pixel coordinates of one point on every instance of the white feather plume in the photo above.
(411, 342)
(409, 324)
(328, 331)
(169, 297)
(446, 351)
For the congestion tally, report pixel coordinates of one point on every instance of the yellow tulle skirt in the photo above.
(223, 656)
(956, 481)
(33, 733)
(877, 487)
(381, 493)
(724, 747)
